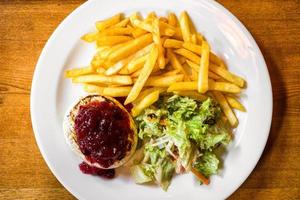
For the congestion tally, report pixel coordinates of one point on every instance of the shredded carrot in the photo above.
(200, 176)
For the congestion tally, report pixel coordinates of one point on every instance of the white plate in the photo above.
(51, 96)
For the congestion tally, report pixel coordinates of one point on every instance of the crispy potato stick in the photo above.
(122, 23)
(142, 24)
(191, 94)
(226, 108)
(172, 72)
(176, 64)
(197, 49)
(227, 75)
(117, 66)
(148, 91)
(130, 48)
(178, 34)
(101, 25)
(90, 37)
(116, 31)
(213, 76)
(136, 73)
(157, 41)
(90, 88)
(124, 71)
(182, 86)
(200, 38)
(151, 15)
(112, 40)
(203, 70)
(122, 80)
(172, 19)
(234, 103)
(172, 43)
(144, 103)
(116, 91)
(163, 81)
(194, 75)
(166, 29)
(188, 54)
(100, 70)
(223, 87)
(145, 73)
(195, 68)
(137, 32)
(184, 26)
(78, 71)
(181, 59)
(163, 19)
(136, 64)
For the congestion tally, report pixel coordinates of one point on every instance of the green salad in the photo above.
(178, 135)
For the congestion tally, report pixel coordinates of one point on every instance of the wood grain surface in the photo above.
(26, 25)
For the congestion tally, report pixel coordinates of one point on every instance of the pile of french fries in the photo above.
(141, 58)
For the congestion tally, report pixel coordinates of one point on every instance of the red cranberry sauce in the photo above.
(106, 173)
(102, 130)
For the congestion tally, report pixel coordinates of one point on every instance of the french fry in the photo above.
(130, 48)
(116, 31)
(146, 102)
(116, 91)
(122, 80)
(181, 59)
(172, 43)
(184, 26)
(163, 19)
(227, 75)
(124, 71)
(234, 103)
(213, 76)
(172, 19)
(197, 49)
(112, 40)
(166, 29)
(145, 73)
(176, 64)
(89, 88)
(101, 25)
(90, 37)
(163, 81)
(151, 15)
(191, 94)
(100, 70)
(200, 38)
(136, 73)
(223, 86)
(178, 34)
(203, 70)
(136, 64)
(142, 25)
(226, 108)
(188, 54)
(157, 41)
(137, 32)
(194, 75)
(117, 66)
(70, 73)
(122, 23)
(212, 85)
(147, 91)
(183, 86)
(170, 73)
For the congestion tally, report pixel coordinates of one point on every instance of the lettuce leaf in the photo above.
(207, 164)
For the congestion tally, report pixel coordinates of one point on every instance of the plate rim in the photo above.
(69, 17)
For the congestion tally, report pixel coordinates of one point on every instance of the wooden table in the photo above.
(26, 25)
